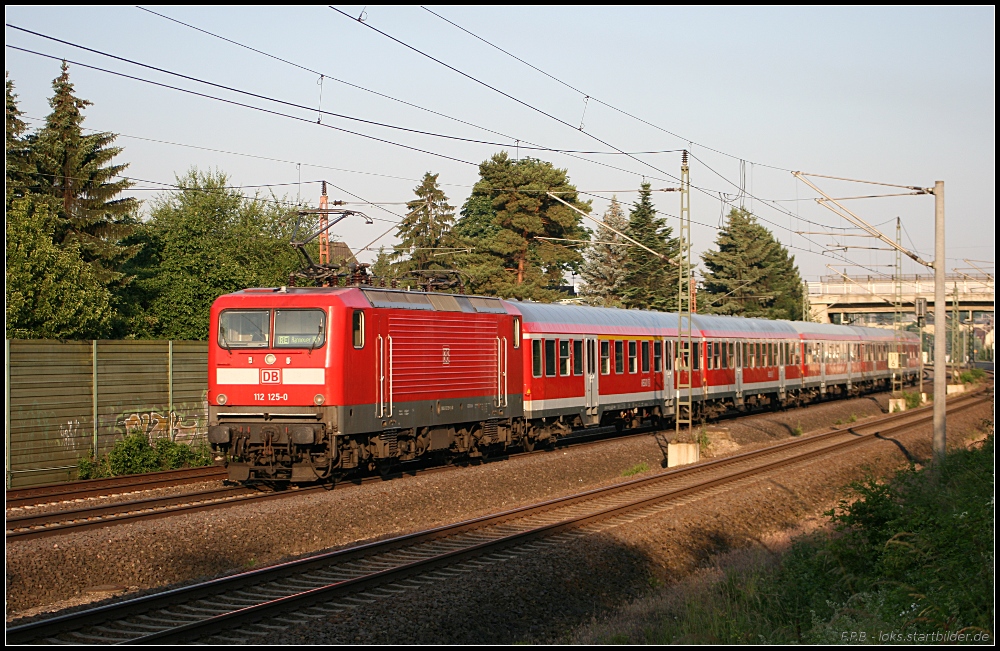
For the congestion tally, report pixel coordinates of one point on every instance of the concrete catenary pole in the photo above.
(940, 326)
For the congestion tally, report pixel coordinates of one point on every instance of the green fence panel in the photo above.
(62, 397)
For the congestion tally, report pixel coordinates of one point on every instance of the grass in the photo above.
(972, 376)
(637, 469)
(797, 431)
(912, 399)
(912, 555)
(134, 453)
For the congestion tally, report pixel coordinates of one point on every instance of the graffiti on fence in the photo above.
(186, 424)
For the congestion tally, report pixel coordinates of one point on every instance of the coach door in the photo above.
(738, 373)
(669, 390)
(592, 396)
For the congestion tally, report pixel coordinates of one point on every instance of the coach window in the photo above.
(564, 357)
(645, 356)
(669, 356)
(578, 357)
(536, 357)
(605, 358)
(619, 356)
(358, 328)
(657, 356)
(696, 361)
(633, 366)
(727, 352)
(517, 332)
(550, 357)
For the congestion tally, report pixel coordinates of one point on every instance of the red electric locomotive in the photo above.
(309, 383)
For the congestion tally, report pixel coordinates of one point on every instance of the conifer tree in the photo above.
(751, 274)
(649, 282)
(511, 257)
(425, 228)
(603, 268)
(16, 150)
(75, 169)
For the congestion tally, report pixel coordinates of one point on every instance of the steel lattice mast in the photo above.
(684, 352)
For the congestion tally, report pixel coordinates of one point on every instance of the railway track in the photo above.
(63, 492)
(104, 515)
(241, 608)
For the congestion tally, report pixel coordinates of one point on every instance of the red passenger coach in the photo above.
(304, 381)
(309, 383)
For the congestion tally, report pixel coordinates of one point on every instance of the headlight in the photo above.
(221, 398)
(319, 399)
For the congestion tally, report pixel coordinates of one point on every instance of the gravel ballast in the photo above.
(47, 574)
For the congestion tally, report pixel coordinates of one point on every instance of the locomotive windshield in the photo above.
(244, 328)
(299, 328)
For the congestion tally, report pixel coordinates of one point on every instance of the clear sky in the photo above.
(897, 94)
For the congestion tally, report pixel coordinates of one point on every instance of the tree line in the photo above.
(82, 263)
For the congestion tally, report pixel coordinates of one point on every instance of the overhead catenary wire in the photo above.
(257, 108)
(530, 106)
(589, 96)
(571, 153)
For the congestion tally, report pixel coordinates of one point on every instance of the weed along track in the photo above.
(243, 607)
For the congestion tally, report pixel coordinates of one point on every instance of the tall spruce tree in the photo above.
(17, 153)
(751, 274)
(603, 269)
(649, 282)
(75, 169)
(507, 217)
(425, 228)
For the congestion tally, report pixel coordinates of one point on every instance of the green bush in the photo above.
(911, 555)
(912, 399)
(972, 376)
(134, 454)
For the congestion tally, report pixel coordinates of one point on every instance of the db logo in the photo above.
(446, 356)
(270, 376)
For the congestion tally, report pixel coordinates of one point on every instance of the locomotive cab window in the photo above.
(244, 328)
(299, 328)
(358, 328)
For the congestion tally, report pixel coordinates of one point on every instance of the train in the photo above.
(310, 384)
